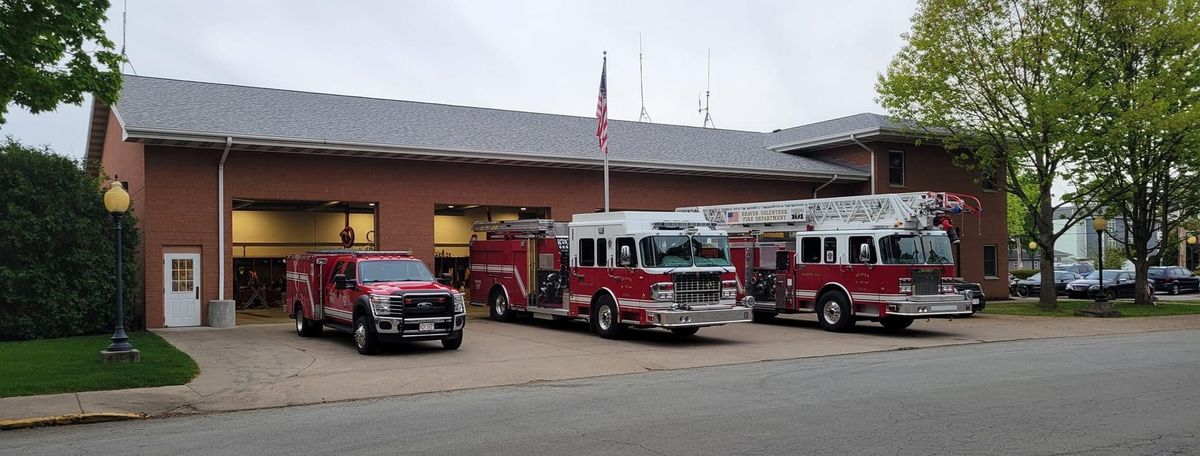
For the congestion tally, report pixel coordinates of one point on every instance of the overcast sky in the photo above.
(775, 64)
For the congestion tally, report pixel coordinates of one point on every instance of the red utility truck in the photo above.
(886, 258)
(375, 296)
(615, 269)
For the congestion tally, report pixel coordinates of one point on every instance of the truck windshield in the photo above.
(393, 271)
(682, 251)
(914, 249)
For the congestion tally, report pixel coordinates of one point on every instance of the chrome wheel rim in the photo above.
(360, 335)
(501, 305)
(605, 318)
(1174, 289)
(299, 321)
(833, 312)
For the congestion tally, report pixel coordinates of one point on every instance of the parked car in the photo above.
(1033, 285)
(1078, 268)
(978, 300)
(1173, 279)
(1117, 284)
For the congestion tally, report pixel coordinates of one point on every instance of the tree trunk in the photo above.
(1048, 298)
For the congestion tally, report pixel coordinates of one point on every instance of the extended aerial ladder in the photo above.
(914, 210)
(520, 228)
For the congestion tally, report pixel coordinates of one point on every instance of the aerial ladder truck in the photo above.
(885, 258)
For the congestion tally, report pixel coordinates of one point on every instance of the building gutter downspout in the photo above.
(835, 176)
(872, 152)
(221, 220)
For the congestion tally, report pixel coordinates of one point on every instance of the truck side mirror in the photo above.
(625, 257)
(445, 279)
(864, 253)
(339, 281)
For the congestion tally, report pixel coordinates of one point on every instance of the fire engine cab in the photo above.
(375, 296)
(885, 258)
(614, 269)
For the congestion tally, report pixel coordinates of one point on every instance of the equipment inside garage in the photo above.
(452, 234)
(264, 232)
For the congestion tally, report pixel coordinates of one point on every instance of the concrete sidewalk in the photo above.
(262, 366)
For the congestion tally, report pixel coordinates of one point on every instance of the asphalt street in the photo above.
(1132, 394)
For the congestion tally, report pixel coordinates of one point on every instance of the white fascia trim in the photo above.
(252, 140)
(823, 140)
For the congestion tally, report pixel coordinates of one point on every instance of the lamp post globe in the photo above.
(1191, 240)
(116, 200)
(1032, 245)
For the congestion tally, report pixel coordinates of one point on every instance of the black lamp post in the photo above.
(1191, 245)
(116, 200)
(1101, 225)
(1101, 307)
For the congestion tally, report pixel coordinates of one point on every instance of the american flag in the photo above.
(602, 109)
(732, 216)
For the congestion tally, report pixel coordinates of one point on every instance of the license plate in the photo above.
(943, 308)
(425, 327)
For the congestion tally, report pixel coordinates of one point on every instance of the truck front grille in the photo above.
(926, 281)
(697, 288)
(414, 305)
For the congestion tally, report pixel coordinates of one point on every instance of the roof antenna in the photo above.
(645, 115)
(124, 20)
(708, 122)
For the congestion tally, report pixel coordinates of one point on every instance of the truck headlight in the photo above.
(662, 291)
(729, 289)
(460, 304)
(381, 305)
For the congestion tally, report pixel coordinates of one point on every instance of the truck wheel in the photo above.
(364, 336)
(306, 327)
(684, 332)
(454, 341)
(834, 313)
(499, 309)
(897, 323)
(761, 316)
(606, 321)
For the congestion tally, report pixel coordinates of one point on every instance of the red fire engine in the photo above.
(616, 269)
(885, 258)
(375, 296)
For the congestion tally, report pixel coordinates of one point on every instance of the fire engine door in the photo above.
(862, 257)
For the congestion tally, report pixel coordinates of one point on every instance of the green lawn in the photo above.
(73, 364)
(1066, 308)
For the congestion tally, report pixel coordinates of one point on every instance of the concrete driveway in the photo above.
(269, 365)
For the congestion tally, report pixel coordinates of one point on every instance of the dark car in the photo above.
(1117, 284)
(1032, 286)
(1173, 279)
(1078, 268)
(978, 300)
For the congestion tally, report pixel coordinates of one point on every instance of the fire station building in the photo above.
(226, 180)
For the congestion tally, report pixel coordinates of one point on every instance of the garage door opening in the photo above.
(266, 231)
(452, 233)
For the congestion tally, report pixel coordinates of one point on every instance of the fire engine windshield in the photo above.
(683, 251)
(393, 271)
(914, 249)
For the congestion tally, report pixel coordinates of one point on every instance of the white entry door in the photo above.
(181, 284)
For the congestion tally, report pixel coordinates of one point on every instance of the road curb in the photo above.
(60, 420)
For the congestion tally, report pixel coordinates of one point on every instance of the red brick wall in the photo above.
(182, 197)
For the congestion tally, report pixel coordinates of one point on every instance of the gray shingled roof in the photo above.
(154, 104)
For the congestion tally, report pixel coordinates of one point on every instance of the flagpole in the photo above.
(603, 76)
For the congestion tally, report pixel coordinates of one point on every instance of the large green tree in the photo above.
(1149, 134)
(54, 51)
(1011, 87)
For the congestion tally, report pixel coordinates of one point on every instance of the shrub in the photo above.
(56, 248)
(1024, 273)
